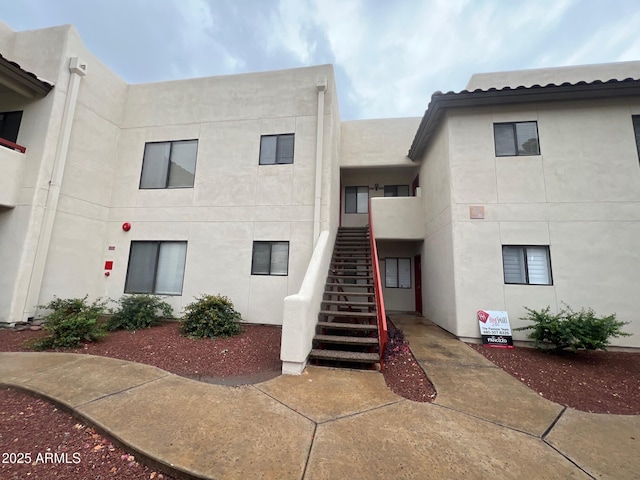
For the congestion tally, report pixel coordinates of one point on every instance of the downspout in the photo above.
(321, 86)
(78, 70)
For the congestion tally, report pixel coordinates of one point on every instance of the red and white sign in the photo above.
(495, 329)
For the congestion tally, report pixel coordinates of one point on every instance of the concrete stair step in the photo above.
(335, 293)
(339, 313)
(347, 340)
(348, 303)
(356, 285)
(345, 356)
(348, 326)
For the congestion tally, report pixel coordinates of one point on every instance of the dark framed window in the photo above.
(356, 200)
(169, 164)
(270, 258)
(10, 125)
(396, 190)
(636, 129)
(397, 272)
(156, 267)
(526, 265)
(516, 138)
(276, 149)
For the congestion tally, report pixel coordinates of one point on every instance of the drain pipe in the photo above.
(321, 86)
(78, 70)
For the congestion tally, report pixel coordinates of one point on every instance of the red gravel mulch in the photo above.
(597, 382)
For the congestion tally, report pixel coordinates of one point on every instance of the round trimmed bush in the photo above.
(211, 316)
(139, 311)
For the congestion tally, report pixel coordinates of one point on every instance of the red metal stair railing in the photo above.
(12, 146)
(382, 316)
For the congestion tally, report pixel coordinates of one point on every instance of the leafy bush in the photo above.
(139, 311)
(211, 316)
(570, 329)
(72, 322)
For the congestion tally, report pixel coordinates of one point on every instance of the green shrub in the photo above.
(72, 322)
(211, 316)
(139, 311)
(570, 329)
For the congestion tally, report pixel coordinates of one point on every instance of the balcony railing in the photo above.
(12, 146)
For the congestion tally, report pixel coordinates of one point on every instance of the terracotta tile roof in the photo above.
(441, 102)
(30, 80)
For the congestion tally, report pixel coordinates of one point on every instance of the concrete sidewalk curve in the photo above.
(332, 424)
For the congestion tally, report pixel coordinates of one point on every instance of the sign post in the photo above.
(495, 329)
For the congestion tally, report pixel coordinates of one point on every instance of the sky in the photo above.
(389, 56)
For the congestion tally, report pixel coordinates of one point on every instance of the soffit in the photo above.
(16, 79)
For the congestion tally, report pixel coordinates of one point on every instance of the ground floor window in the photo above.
(397, 272)
(526, 265)
(270, 258)
(156, 267)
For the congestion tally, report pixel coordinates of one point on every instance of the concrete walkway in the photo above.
(335, 424)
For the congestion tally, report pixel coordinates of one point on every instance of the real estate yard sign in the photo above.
(495, 329)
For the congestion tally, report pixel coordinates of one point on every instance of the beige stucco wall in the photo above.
(556, 75)
(581, 197)
(438, 281)
(234, 200)
(42, 52)
(377, 143)
(359, 177)
(398, 299)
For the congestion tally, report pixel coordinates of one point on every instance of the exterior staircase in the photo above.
(347, 331)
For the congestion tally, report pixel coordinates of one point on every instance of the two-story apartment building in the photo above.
(507, 197)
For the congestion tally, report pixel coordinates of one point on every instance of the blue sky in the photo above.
(389, 56)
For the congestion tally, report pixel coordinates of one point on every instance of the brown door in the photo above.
(417, 262)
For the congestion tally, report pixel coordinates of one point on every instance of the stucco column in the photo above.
(27, 308)
(321, 86)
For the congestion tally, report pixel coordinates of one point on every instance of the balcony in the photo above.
(398, 218)
(12, 161)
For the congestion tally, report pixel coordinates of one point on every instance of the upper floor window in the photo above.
(516, 138)
(10, 125)
(636, 129)
(396, 190)
(169, 164)
(276, 149)
(528, 265)
(356, 199)
(156, 267)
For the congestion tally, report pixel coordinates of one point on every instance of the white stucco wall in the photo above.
(580, 196)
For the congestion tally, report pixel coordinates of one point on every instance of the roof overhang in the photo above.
(441, 102)
(18, 80)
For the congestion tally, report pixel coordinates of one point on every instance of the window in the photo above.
(636, 129)
(519, 138)
(356, 200)
(396, 190)
(397, 273)
(270, 258)
(276, 149)
(169, 164)
(156, 267)
(526, 265)
(10, 125)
